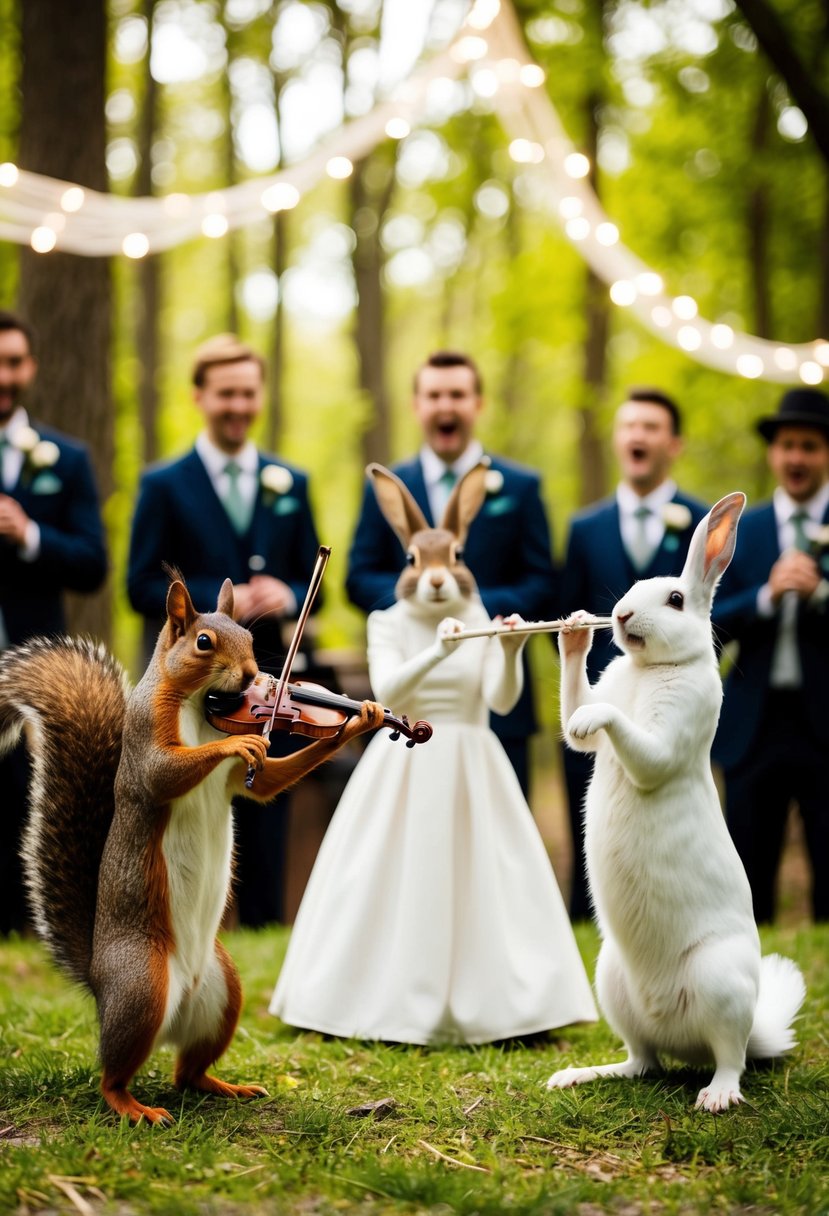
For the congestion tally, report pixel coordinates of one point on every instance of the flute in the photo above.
(599, 622)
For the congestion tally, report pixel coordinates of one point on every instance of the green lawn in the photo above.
(465, 1130)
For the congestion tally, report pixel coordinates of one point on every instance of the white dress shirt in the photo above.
(434, 469)
(786, 670)
(629, 503)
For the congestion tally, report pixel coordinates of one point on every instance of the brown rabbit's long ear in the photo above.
(465, 501)
(394, 500)
(712, 545)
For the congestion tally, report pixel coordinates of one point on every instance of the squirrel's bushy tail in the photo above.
(782, 991)
(68, 697)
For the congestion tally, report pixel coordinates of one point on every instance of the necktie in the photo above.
(801, 540)
(640, 547)
(238, 510)
(445, 485)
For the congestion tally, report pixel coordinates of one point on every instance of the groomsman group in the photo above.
(226, 509)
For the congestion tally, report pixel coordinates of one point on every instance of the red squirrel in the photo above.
(127, 851)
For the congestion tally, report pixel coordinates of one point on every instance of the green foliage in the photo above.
(471, 1130)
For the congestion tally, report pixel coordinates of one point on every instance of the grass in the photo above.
(467, 1131)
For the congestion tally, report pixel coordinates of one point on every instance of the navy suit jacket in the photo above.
(179, 519)
(735, 617)
(63, 501)
(598, 571)
(508, 550)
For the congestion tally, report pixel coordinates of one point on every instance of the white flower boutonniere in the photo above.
(676, 517)
(38, 454)
(276, 479)
(494, 481)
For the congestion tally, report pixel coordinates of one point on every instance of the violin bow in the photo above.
(323, 554)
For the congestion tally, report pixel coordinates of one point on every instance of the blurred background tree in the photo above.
(704, 149)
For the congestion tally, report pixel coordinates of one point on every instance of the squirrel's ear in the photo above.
(180, 610)
(396, 503)
(225, 602)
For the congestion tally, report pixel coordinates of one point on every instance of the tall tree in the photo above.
(67, 298)
(147, 337)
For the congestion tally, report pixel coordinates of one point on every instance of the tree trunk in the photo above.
(67, 298)
(592, 460)
(147, 344)
(758, 221)
(275, 422)
(367, 212)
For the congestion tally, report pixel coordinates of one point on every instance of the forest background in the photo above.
(705, 124)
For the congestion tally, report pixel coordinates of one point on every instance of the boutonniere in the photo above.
(38, 454)
(275, 481)
(493, 482)
(818, 535)
(676, 518)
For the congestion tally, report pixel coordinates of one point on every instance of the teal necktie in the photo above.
(238, 510)
(641, 549)
(801, 540)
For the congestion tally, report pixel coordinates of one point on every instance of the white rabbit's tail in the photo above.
(782, 991)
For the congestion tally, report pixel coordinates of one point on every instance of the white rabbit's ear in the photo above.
(396, 503)
(465, 501)
(712, 545)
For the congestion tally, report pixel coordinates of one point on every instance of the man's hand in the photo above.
(262, 596)
(794, 571)
(13, 520)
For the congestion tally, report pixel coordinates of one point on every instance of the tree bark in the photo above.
(147, 344)
(68, 298)
(592, 460)
(804, 84)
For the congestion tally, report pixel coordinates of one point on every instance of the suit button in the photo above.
(256, 562)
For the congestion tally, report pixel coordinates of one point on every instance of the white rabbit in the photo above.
(679, 970)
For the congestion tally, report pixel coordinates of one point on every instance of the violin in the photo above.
(305, 708)
(300, 708)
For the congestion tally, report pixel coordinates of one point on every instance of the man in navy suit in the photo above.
(642, 531)
(51, 541)
(225, 510)
(508, 546)
(773, 736)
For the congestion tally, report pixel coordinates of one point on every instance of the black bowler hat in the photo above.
(799, 407)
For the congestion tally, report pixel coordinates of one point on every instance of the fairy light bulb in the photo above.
(483, 13)
(397, 128)
(469, 49)
(43, 239)
(722, 336)
(215, 225)
(281, 196)
(649, 284)
(570, 207)
(622, 292)
(72, 199)
(526, 152)
(685, 307)
(750, 366)
(339, 167)
(811, 373)
(9, 174)
(531, 75)
(576, 165)
(689, 337)
(136, 245)
(607, 234)
(577, 229)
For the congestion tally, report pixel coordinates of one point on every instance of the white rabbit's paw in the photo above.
(587, 719)
(565, 1077)
(716, 1098)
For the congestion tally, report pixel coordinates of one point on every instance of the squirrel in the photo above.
(127, 850)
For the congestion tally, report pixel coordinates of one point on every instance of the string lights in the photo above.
(49, 214)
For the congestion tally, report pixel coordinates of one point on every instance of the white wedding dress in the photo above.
(432, 914)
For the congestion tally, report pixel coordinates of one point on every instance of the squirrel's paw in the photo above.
(371, 716)
(209, 1084)
(588, 719)
(253, 749)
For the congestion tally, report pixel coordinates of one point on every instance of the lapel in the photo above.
(412, 477)
(206, 506)
(618, 571)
